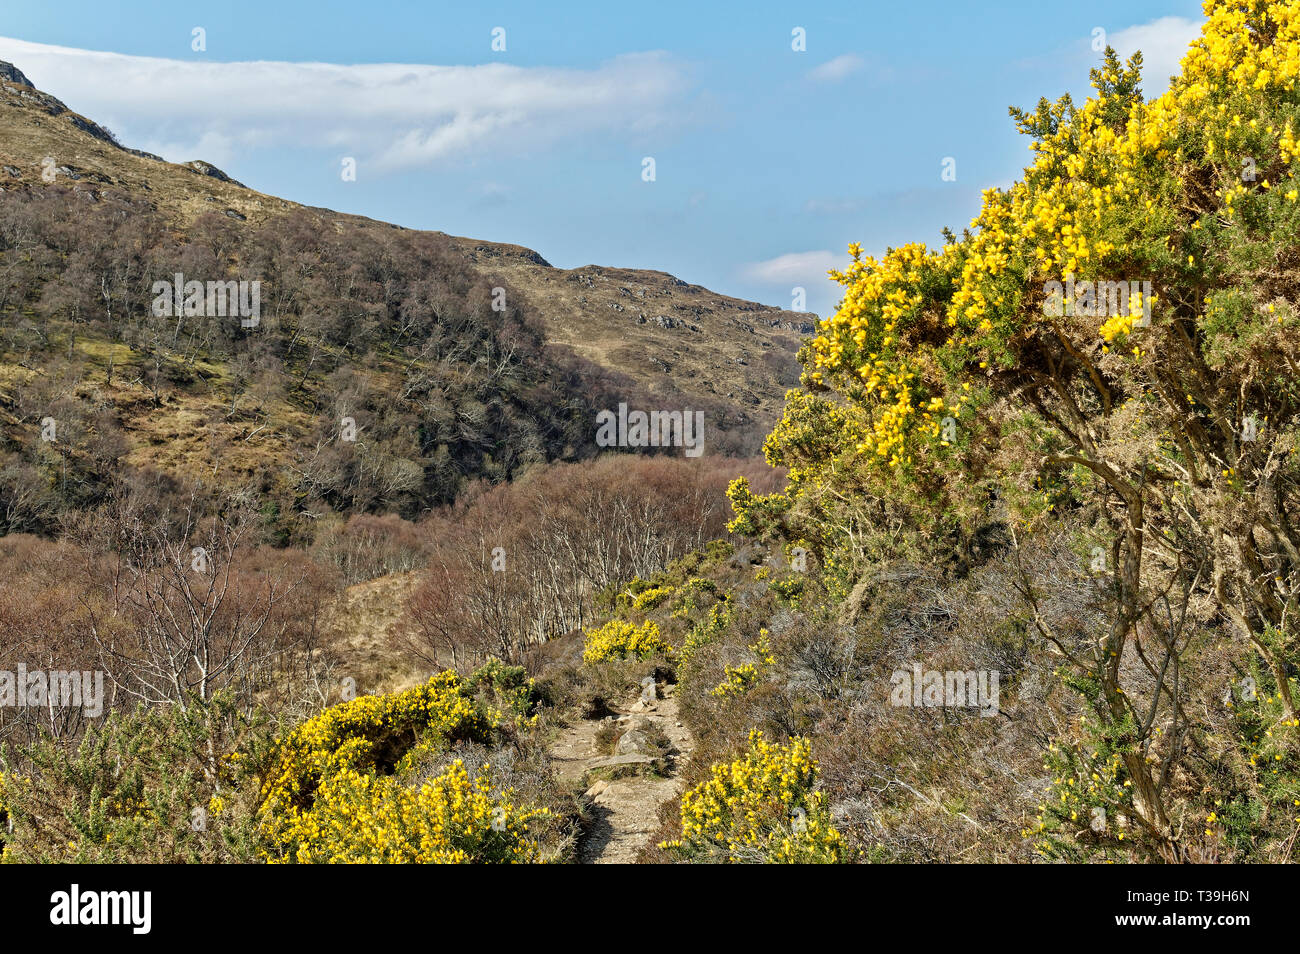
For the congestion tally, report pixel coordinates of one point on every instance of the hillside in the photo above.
(715, 350)
(657, 328)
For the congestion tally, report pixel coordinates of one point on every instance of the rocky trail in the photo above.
(627, 788)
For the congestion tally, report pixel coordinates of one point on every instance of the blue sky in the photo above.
(768, 161)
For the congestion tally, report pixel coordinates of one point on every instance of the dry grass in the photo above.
(363, 631)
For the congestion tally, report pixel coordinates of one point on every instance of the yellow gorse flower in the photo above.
(761, 807)
(343, 789)
(622, 640)
(913, 321)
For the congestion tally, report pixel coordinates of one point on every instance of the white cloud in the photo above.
(1163, 43)
(807, 267)
(832, 71)
(388, 115)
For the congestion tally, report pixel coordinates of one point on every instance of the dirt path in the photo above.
(624, 811)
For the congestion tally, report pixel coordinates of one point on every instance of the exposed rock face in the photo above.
(667, 321)
(12, 74)
(211, 171)
(800, 327)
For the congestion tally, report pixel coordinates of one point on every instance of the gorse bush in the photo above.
(507, 687)
(701, 634)
(370, 780)
(367, 735)
(165, 786)
(361, 817)
(619, 639)
(762, 807)
(1113, 342)
(737, 679)
(346, 785)
(649, 599)
(1266, 809)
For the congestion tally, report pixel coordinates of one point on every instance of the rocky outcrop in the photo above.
(211, 171)
(12, 74)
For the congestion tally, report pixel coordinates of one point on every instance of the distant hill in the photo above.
(646, 324)
(657, 328)
(392, 328)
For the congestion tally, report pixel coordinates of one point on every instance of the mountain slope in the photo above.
(656, 329)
